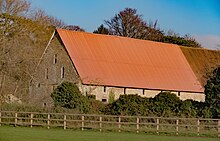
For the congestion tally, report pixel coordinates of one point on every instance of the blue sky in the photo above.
(199, 18)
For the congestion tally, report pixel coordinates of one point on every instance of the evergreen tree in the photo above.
(101, 30)
(212, 92)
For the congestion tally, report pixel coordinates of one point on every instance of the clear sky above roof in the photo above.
(200, 18)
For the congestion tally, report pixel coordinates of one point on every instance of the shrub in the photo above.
(166, 104)
(96, 106)
(111, 98)
(129, 105)
(187, 109)
(91, 96)
(67, 95)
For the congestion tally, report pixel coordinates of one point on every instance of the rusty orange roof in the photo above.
(125, 62)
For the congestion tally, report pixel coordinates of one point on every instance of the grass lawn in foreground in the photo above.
(8, 133)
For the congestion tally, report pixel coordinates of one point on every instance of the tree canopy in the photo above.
(14, 7)
(129, 23)
(212, 91)
(42, 18)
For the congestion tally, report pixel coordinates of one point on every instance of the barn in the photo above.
(103, 64)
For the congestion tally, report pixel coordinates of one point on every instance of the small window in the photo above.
(38, 85)
(143, 91)
(46, 73)
(178, 93)
(124, 90)
(55, 59)
(104, 88)
(9, 98)
(104, 100)
(62, 72)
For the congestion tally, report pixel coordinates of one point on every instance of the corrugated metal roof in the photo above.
(125, 62)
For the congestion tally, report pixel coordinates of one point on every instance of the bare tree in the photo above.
(58, 23)
(14, 7)
(43, 18)
(130, 24)
(127, 23)
(19, 37)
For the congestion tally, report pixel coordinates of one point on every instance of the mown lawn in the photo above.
(8, 133)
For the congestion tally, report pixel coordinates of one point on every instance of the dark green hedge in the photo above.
(164, 104)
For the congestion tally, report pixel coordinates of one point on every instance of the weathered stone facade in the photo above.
(56, 67)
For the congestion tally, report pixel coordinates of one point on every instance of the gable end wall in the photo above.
(55, 68)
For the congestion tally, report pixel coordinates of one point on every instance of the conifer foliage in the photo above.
(212, 91)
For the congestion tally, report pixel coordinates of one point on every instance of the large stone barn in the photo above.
(104, 64)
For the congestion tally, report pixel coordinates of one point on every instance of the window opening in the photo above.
(104, 100)
(38, 85)
(62, 72)
(104, 88)
(55, 59)
(46, 73)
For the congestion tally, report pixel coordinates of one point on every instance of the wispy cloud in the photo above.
(209, 41)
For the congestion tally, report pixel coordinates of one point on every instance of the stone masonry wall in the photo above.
(54, 68)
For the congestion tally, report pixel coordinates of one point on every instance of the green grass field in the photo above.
(8, 133)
